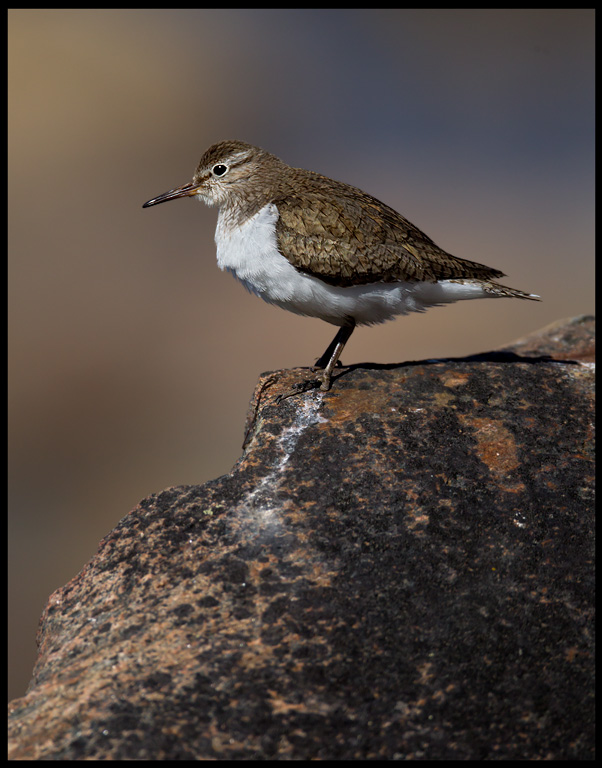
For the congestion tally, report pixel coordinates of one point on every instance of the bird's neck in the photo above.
(239, 208)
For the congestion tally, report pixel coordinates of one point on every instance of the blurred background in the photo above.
(132, 358)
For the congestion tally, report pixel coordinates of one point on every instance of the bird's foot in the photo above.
(321, 382)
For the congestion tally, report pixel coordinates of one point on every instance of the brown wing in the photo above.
(360, 240)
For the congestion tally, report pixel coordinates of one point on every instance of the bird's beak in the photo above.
(186, 190)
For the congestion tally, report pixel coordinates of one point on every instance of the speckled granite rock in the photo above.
(398, 568)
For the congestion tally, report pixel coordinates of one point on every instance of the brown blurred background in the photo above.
(132, 358)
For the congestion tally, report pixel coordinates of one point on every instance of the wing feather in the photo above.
(358, 240)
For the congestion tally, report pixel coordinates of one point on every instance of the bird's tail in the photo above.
(496, 289)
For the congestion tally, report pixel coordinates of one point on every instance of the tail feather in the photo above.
(497, 289)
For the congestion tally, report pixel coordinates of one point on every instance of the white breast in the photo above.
(250, 252)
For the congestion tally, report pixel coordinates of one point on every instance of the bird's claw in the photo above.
(303, 386)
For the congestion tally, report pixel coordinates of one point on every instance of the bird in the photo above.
(322, 248)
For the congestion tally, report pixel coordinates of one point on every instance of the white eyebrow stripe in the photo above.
(238, 157)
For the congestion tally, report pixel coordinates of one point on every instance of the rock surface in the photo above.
(399, 568)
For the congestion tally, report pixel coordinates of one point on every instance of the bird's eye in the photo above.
(219, 170)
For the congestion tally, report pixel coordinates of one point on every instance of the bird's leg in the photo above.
(328, 361)
(333, 352)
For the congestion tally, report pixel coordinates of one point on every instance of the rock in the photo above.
(400, 568)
